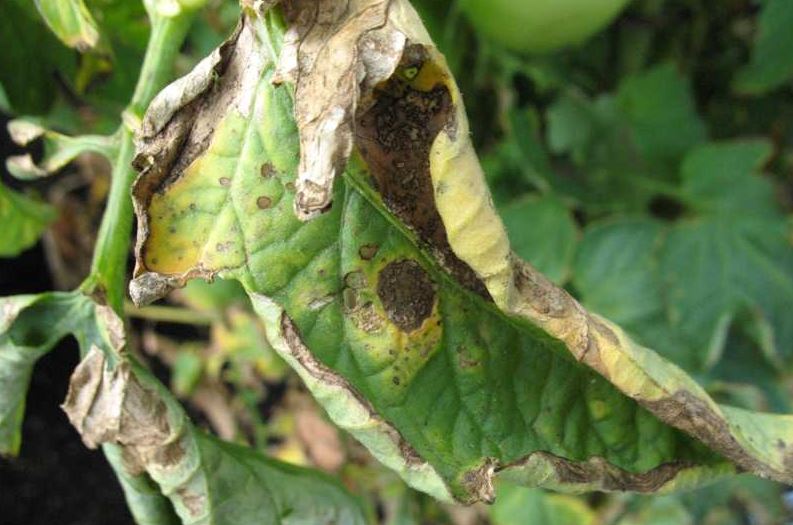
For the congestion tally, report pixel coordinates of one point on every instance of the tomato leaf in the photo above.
(401, 304)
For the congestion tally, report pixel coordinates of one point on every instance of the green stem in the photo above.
(169, 314)
(109, 267)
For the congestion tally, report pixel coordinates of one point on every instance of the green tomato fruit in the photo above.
(539, 26)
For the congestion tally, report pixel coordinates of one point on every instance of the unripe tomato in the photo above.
(539, 26)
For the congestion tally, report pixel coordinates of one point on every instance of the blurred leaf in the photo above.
(29, 47)
(71, 21)
(616, 270)
(23, 220)
(771, 65)
(521, 506)
(723, 178)
(542, 231)
(680, 288)
(626, 146)
(661, 510)
(186, 371)
(734, 255)
(216, 295)
(243, 343)
(659, 105)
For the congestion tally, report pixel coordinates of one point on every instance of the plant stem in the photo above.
(109, 266)
(169, 314)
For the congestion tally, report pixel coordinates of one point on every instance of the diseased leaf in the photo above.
(402, 306)
(30, 326)
(23, 220)
(147, 436)
(71, 21)
(771, 65)
(113, 400)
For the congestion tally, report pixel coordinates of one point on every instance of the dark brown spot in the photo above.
(407, 294)
(395, 380)
(394, 137)
(368, 251)
(290, 186)
(224, 181)
(267, 170)
(264, 202)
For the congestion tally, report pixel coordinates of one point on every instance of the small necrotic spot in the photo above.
(264, 202)
(368, 251)
(224, 181)
(407, 294)
(267, 170)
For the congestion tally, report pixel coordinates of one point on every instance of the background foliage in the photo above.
(649, 171)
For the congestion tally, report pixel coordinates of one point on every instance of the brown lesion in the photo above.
(394, 136)
(606, 476)
(407, 294)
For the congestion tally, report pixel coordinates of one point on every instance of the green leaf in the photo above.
(660, 108)
(771, 65)
(665, 510)
(30, 47)
(614, 270)
(681, 287)
(24, 220)
(625, 146)
(723, 178)
(735, 255)
(71, 21)
(543, 232)
(520, 506)
(402, 307)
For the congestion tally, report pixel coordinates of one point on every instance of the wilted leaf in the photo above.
(23, 220)
(71, 21)
(59, 149)
(402, 307)
(30, 326)
(772, 58)
(206, 480)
